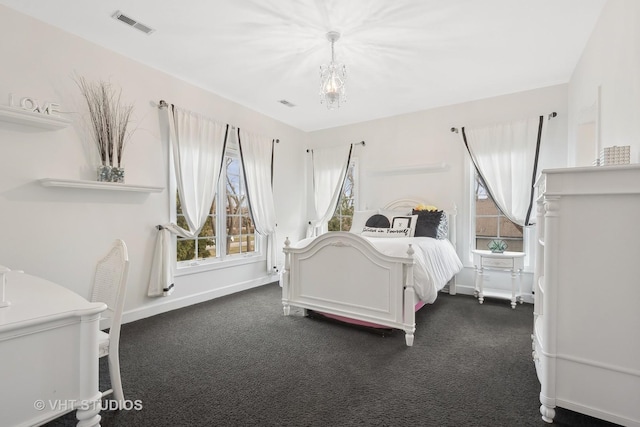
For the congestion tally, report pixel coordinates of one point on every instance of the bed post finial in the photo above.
(410, 251)
(287, 242)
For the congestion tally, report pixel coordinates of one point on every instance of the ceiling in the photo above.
(401, 56)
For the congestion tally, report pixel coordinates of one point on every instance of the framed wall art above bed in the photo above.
(375, 274)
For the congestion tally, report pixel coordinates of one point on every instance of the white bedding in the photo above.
(436, 261)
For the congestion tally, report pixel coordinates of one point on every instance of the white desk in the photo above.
(512, 261)
(48, 353)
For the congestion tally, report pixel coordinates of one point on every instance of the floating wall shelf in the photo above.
(25, 117)
(95, 185)
(410, 170)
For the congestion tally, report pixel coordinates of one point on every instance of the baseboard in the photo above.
(469, 290)
(174, 304)
(463, 289)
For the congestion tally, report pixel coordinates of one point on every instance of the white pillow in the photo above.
(386, 232)
(401, 226)
(360, 219)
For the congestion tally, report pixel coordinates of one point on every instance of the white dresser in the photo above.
(586, 340)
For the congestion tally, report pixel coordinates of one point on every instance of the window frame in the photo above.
(497, 218)
(221, 260)
(528, 233)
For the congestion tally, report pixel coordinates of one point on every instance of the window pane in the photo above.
(178, 204)
(236, 219)
(485, 206)
(346, 223)
(509, 229)
(185, 249)
(239, 225)
(206, 248)
(341, 220)
(182, 223)
(492, 224)
(487, 226)
(208, 229)
(203, 246)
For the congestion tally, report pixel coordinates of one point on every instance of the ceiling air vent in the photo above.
(287, 103)
(132, 22)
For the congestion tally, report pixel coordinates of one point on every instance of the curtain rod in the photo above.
(163, 104)
(551, 116)
(353, 143)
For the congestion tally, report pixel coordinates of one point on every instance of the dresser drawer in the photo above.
(497, 262)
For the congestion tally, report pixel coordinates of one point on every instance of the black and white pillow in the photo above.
(378, 221)
(443, 227)
(428, 223)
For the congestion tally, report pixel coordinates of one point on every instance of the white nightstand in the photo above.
(511, 261)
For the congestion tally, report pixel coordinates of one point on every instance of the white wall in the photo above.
(58, 234)
(425, 138)
(610, 66)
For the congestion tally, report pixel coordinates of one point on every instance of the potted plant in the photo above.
(497, 246)
(109, 125)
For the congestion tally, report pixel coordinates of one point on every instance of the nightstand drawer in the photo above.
(497, 262)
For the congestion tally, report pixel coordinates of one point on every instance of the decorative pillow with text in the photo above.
(386, 232)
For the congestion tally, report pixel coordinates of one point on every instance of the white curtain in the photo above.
(197, 145)
(256, 153)
(330, 167)
(506, 157)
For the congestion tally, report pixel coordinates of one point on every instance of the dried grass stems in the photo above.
(109, 119)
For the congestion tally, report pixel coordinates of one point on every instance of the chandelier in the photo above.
(332, 78)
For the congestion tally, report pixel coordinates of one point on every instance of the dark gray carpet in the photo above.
(237, 361)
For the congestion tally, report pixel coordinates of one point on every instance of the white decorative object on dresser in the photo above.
(586, 344)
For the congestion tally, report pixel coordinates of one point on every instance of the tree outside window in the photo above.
(343, 216)
(492, 224)
(235, 219)
(239, 225)
(204, 245)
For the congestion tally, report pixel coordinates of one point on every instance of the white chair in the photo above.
(109, 286)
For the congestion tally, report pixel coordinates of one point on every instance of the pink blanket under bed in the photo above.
(418, 306)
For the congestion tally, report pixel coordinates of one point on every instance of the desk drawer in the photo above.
(497, 262)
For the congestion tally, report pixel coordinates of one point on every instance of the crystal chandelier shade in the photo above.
(332, 78)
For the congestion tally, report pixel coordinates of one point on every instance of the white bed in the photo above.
(370, 279)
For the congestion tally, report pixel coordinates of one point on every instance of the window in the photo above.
(341, 220)
(240, 233)
(228, 230)
(492, 224)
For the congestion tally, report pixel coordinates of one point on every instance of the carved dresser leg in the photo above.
(547, 413)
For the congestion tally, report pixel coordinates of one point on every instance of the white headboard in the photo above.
(409, 204)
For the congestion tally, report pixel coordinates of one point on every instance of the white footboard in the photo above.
(343, 274)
